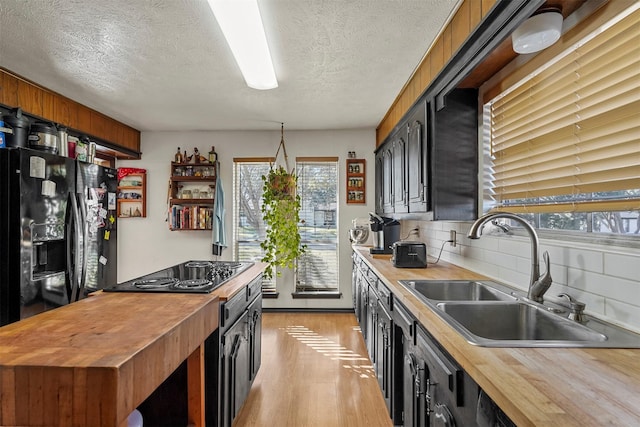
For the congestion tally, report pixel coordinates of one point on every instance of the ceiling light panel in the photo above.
(242, 27)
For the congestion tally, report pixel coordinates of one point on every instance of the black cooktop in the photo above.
(199, 277)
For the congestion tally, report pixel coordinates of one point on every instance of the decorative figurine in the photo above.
(198, 158)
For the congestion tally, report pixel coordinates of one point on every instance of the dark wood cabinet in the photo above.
(384, 349)
(400, 203)
(372, 305)
(405, 369)
(430, 163)
(386, 187)
(378, 181)
(255, 336)
(454, 160)
(417, 170)
(235, 369)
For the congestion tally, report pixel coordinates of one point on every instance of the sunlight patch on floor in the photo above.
(330, 348)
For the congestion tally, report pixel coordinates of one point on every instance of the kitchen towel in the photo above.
(218, 236)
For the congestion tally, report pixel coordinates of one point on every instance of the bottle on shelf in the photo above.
(178, 157)
(213, 156)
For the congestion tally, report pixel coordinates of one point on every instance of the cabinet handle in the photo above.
(427, 397)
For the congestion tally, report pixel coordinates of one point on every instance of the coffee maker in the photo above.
(385, 232)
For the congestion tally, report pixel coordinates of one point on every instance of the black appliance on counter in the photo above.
(199, 277)
(385, 232)
(409, 254)
(57, 231)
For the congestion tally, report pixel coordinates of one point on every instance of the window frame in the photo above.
(317, 292)
(269, 287)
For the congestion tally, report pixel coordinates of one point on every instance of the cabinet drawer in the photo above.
(254, 288)
(231, 309)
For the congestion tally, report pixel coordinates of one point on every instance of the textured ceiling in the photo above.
(164, 65)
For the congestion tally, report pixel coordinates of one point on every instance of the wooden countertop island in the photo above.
(533, 386)
(92, 362)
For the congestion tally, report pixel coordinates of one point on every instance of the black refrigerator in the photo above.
(58, 231)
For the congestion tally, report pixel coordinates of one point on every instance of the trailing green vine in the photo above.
(281, 213)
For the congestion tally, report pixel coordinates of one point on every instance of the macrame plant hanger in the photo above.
(284, 150)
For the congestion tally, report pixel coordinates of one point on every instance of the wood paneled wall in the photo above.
(38, 101)
(461, 25)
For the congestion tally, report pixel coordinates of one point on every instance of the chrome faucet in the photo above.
(538, 284)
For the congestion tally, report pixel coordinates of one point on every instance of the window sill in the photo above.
(317, 294)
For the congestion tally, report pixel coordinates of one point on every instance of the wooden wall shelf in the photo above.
(356, 181)
(191, 195)
(132, 196)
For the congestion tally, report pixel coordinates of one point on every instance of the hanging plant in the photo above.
(281, 214)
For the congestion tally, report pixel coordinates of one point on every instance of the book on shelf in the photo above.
(190, 217)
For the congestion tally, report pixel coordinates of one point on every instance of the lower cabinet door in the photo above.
(255, 337)
(383, 354)
(235, 369)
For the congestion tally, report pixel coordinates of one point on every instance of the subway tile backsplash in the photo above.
(606, 278)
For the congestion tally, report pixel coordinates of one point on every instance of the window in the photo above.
(564, 141)
(248, 227)
(317, 269)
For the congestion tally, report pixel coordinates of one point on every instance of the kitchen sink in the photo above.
(506, 322)
(456, 290)
(490, 314)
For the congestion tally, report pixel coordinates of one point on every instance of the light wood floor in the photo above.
(315, 372)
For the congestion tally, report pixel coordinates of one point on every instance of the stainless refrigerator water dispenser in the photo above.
(385, 232)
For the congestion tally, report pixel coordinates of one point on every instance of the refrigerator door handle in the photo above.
(74, 273)
(85, 242)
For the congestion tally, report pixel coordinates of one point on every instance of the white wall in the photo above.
(146, 244)
(606, 278)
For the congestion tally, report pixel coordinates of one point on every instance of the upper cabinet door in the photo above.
(400, 202)
(417, 160)
(455, 162)
(378, 181)
(387, 178)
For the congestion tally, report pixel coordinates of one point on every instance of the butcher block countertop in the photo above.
(91, 363)
(533, 386)
(238, 283)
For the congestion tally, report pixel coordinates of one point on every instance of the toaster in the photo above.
(409, 254)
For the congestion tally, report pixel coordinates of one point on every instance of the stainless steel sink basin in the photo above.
(490, 314)
(456, 290)
(514, 321)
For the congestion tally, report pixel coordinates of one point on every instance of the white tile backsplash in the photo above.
(620, 265)
(606, 278)
(622, 313)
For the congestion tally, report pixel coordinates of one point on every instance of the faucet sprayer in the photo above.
(538, 285)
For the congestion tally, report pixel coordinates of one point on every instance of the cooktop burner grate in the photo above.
(193, 284)
(198, 264)
(155, 283)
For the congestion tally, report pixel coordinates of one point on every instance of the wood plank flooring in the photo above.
(315, 372)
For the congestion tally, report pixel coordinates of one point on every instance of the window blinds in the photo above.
(317, 268)
(573, 129)
(248, 226)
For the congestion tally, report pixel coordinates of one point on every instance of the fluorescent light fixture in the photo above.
(538, 32)
(241, 25)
